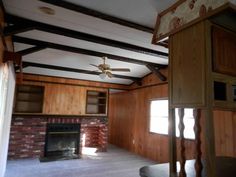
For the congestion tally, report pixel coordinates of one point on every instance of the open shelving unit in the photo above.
(96, 102)
(29, 99)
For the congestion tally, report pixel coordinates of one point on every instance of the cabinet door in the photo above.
(187, 67)
(224, 51)
(64, 100)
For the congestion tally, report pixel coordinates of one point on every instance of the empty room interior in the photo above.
(126, 88)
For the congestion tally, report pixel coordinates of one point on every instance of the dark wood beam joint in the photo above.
(87, 37)
(157, 72)
(97, 14)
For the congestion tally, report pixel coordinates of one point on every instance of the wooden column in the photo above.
(172, 143)
(182, 172)
(197, 130)
(210, 143)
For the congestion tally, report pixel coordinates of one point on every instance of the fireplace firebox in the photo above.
(62, 141)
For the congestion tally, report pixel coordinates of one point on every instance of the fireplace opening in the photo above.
(62, 141)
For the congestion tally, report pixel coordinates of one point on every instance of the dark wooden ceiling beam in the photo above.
(61, 68)
(83, 51)
(97, 14)
(31, 50)
(15, 29)
(157, 72)
(84, 36)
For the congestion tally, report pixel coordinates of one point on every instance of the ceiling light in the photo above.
(47, 10)
(102, 75)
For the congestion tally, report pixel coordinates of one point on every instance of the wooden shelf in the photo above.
(27, 114)
(29, 99)
(96, 96)
(96, 102)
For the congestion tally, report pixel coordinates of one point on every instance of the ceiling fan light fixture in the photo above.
(102, 75)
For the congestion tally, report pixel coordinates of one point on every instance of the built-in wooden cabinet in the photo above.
(96, 102)
(206, 70)
(60, 99)
(74, 100)
(224, 89)
(223, 67)
(224, 51)
(29, 99)
(202, 75)
(188, 69)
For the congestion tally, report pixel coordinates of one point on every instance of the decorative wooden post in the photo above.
(197, 130)
(172, 143)
(182, 172)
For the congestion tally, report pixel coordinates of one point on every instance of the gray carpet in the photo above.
(114, 163)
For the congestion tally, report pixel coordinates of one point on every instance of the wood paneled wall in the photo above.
(150, 80)
(64, 99)
(129, 123)
(225, 133)
(129, 126)
(67, 81)
(129, 115)
(63, 96)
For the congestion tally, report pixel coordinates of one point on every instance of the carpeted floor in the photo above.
(114, 163)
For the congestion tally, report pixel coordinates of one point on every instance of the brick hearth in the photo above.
(27, 137)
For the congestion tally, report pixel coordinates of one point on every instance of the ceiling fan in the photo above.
(106, 70)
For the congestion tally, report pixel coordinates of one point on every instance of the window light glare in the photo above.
(159, 119)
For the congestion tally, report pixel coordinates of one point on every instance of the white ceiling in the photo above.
(138, 11)
(143, 12)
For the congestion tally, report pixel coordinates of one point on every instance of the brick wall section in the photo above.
(91, 135)
(27, 137)
(103, 138)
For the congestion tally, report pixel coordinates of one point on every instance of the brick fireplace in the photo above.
(62, 141)
(28, 134)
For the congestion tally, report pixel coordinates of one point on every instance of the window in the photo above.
(159, 116)
(159, 119)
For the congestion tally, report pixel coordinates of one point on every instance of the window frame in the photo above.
(163, 134)
(149, 115)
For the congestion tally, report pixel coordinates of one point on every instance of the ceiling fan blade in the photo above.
(109, 74)
(94, 65)
(120, 69)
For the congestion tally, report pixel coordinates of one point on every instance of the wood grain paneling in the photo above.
(225, 133)
(75, 82)
(150, 80)
(129, 124)
(224, 51)
(62, 98)
(121, 134)
(187, 66)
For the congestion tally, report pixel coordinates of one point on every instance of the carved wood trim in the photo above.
(208, 15)
(172, 143)
(182, 172)
(197, 130)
